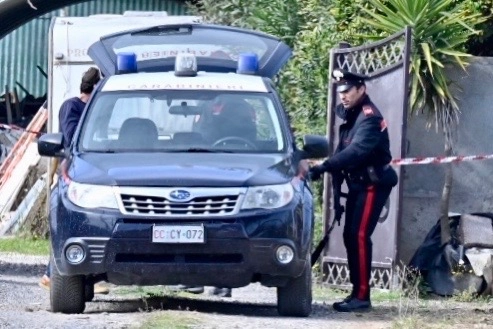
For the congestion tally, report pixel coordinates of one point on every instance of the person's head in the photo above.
(350, 87)
(90, 78)
(234, 117)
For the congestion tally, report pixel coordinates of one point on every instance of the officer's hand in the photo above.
(316, 172)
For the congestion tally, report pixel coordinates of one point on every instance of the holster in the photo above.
(373, 175)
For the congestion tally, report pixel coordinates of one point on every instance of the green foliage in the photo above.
(440, 31)
(25, 246)
(303, 84)
(481, 44)
(276, 17)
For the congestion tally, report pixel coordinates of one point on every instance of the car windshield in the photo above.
(182, 121)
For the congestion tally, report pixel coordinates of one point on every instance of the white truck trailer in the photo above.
(69, 39)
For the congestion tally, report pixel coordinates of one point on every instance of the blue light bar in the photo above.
(126, 63)
(247, 63)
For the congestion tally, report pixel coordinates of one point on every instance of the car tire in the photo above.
(67, 293)
(88, 291)
(295, 298)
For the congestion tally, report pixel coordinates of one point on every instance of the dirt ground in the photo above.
(25, 305)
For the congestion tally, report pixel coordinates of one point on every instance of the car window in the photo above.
(182, 121)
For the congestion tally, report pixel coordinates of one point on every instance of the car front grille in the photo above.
(162, 206)
(156, 202)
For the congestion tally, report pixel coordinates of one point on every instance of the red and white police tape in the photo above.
(438, 160)
(429, 160)
(394, 162)
(14, 127)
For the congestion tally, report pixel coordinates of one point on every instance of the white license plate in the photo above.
(178, 234)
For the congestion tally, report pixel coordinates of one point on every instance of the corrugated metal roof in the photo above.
(25, 48)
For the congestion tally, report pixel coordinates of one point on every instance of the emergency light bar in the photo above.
(185, 65)
(126, 63)
(247, 63)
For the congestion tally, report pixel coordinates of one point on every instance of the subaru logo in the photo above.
(179, 195)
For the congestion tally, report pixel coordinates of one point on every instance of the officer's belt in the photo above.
(368, 175)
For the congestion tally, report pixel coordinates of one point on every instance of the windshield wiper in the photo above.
(101, 151)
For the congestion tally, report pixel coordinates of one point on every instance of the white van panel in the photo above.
(70, 37)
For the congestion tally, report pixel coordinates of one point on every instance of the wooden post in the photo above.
(8, 105)
(15, 102)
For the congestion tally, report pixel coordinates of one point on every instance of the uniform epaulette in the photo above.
(368, 110)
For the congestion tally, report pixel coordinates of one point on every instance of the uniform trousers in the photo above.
(363, 207)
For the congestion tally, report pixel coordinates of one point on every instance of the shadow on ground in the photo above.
(189, 304)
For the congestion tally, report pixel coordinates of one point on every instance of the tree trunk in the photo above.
(445, 200)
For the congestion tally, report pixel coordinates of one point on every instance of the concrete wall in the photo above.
(472, 189)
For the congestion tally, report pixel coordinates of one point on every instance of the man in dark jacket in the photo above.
(362, 157)
(69, 117)
(71, 109)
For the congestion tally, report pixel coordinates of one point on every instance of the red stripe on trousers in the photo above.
(362, 233)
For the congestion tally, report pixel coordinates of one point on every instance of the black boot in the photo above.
(353, 305)
(345, 300)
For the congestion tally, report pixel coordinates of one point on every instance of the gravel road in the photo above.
(23, 304)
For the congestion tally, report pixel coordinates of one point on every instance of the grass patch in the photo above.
(140, 291)
(170, 320)
(385, 296)
(324, 293)
(410, 322)
(26, 246)
(152, 291)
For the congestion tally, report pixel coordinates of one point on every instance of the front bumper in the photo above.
(237, 251)
(218, 262)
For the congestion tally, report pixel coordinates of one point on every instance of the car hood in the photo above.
(181, 169)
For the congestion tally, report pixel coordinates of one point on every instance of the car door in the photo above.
(216, 47)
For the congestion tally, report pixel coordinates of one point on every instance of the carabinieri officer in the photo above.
(362, 157)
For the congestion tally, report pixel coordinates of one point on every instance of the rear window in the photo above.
(155, 44)
(168, 120)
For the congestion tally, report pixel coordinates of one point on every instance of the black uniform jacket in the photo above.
(363, 140)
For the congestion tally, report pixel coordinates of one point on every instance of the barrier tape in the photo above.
(14, 127)
(438, 160)
(395, 162)
(428, 160)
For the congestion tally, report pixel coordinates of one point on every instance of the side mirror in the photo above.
(315, 147)
(51, 145)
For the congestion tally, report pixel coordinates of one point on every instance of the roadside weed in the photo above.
(26, 246)
(170, 320)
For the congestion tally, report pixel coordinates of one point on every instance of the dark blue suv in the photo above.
(183, 170)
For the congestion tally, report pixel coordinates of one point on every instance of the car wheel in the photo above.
(67, 293)
(89, 291)
(295, 299)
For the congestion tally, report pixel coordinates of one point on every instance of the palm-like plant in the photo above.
(440, 29)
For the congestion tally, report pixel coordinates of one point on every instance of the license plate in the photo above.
(178, 234)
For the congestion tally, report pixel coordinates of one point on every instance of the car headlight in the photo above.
(92, 196)
(268, 197)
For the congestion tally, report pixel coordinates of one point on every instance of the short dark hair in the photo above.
(90, 78)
